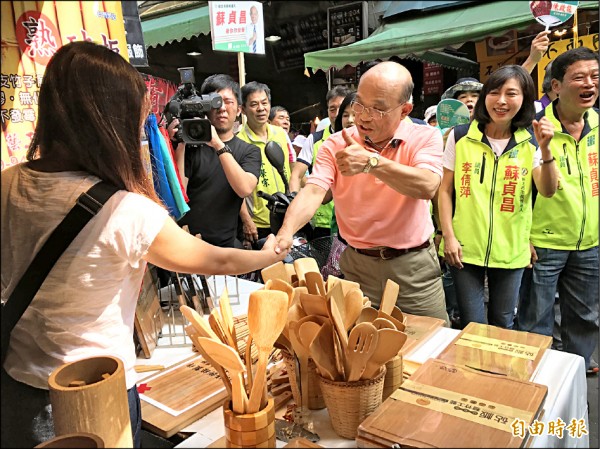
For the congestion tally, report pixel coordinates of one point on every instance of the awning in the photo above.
(177, 26)
(435, 31)
(401, 7)
(447, 60)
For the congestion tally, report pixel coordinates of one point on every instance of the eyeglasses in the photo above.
(374, 114)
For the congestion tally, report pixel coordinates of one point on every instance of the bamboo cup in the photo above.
(90, 396)
(74, 440)
(250, 429)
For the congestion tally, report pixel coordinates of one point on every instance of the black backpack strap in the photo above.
(87, 206)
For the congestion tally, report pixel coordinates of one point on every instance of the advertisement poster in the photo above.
(237, 27)
(31, 33)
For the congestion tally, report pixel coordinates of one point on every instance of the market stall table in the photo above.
(563, 373)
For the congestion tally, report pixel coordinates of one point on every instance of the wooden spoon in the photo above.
(267, 315)
(307, 331)
(397, 313)
(361, 346)
(382, 323)
(227, 319)
(321, 351)
(389, 344)
(353, 307)
(314, 283)
(390, 296)
(278, 284)
(397, 323)
(367, 314)
(229, 359)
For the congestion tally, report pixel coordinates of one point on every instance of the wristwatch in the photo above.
(373, 162)
(223, 150)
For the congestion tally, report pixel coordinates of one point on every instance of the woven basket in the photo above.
(349, 403)
(315, 397)
(393, 376)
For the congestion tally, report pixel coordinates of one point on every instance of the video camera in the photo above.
(191, 108)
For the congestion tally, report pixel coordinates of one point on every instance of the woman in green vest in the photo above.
(485, 198)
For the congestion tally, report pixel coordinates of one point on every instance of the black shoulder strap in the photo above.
(88, 204)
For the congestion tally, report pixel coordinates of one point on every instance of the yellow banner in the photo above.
(31, 33)
(470, 408)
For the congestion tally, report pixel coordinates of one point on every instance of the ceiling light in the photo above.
(194, 53)
(272, 38)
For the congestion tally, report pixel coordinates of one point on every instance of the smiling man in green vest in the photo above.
(564, 231)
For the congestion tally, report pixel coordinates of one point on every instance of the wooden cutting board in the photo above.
(418, 329)
(446, 405)
(493, 349)
(180, 395)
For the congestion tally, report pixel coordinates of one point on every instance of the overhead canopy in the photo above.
(401, 7)
(412, 37)
(174, 27)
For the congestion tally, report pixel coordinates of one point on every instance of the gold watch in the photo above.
(372, 163)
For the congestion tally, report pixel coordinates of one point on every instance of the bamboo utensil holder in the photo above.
(74, 440)
(315, 396)
(393, 376)
(90, 396)
(350, 403)
(250, 429)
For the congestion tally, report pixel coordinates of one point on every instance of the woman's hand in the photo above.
(453, 252)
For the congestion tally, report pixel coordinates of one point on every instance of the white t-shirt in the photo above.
(497, 145)
(86, 305)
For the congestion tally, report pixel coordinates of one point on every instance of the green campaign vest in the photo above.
(492, 216)
(269, 180)
(322, 217)
(569, 219)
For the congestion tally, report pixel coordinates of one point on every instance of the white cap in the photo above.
(299, 141)
(430, 112)
(323, 124)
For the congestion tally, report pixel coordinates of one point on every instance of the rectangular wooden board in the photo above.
(191, 388)
(446, 405)
(149, 317)
(418, 329)
(496, 350)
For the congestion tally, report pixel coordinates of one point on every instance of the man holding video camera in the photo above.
(220, 172)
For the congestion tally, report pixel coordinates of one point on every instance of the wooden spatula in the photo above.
(305, 265)
(321, 351)
(353, 307)
(396, 323)
(389, 344)
(278, 284)
(228, 358)
(302, 354)
(267, 315)
(361, 346)
(201, 326)
(275, 271)
(227, 319)
(314, 283)
(390, 296)
(313, 304)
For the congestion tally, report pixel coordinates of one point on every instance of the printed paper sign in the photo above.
(237, 26)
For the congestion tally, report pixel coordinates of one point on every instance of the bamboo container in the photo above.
(393, 376)
(74, 440)
(90, 396)
(250, 429)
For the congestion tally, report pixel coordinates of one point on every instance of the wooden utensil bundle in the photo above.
(329, 323)
(217, 342)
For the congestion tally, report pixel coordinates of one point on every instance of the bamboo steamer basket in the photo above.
(250, 429)
(90, 396)
(74, 440)
(350, 403)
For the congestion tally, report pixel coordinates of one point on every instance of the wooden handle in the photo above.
(146, 368)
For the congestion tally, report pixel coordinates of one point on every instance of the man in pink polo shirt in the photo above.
(382, 172)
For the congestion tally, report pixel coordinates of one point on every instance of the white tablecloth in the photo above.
(561, 372)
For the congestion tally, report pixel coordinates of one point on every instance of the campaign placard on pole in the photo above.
(237, 27)
(31, 33)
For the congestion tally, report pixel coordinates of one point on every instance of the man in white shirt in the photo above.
(255, 34)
